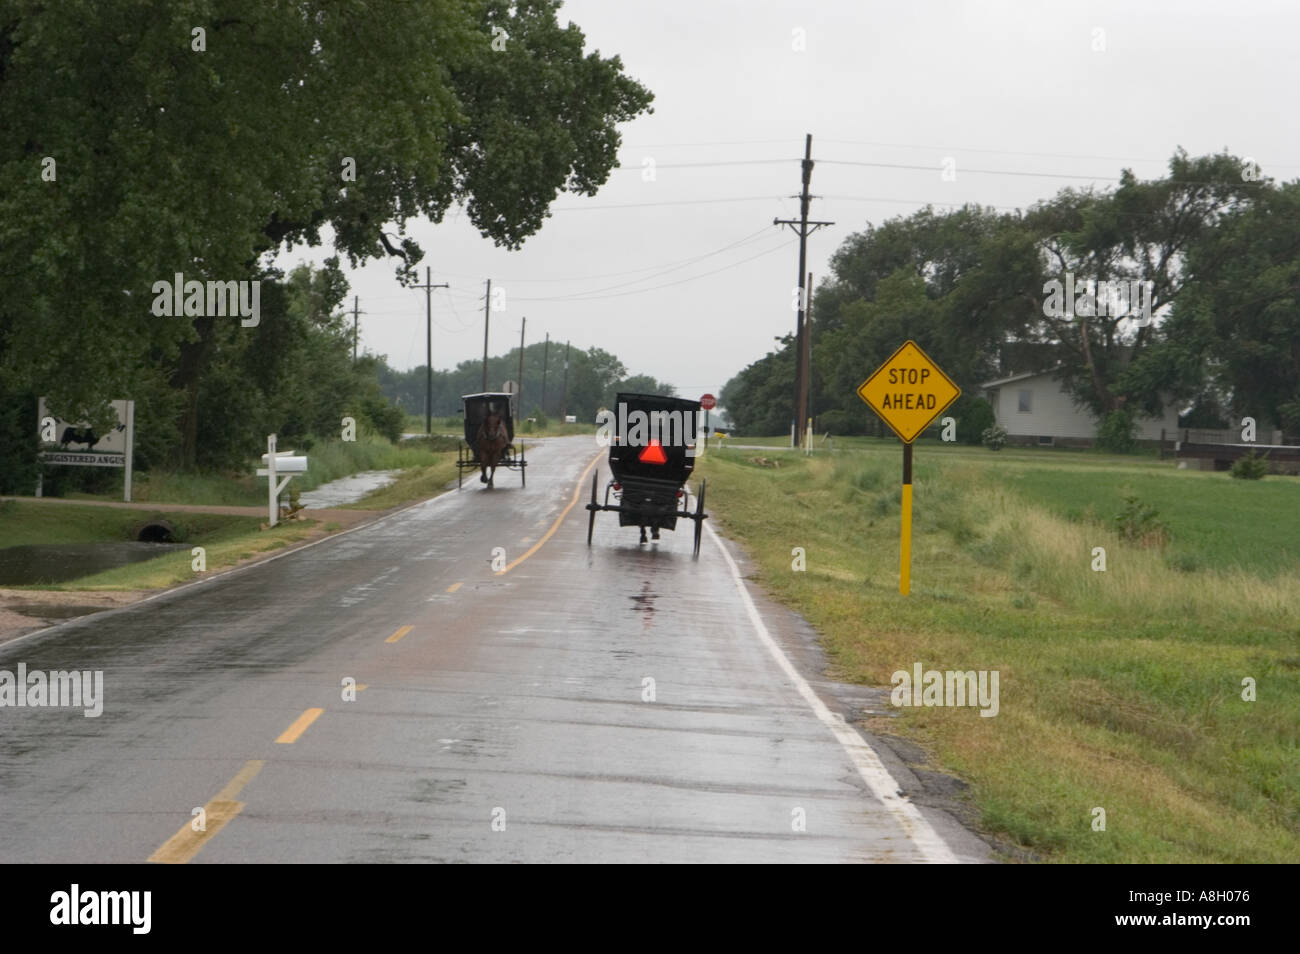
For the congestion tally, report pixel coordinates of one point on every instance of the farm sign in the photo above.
(77, 444)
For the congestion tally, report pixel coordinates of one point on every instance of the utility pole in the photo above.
(564, 397)
(519, 391)
(546, 353)
(356, 303)
(801, 228)
(487, 316)
(807, 358)
(428, 287)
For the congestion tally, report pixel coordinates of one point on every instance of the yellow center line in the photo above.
(558, 520)
(399, 634)
(242, 778)
(185, 844)
(362, 686)
(454, 587)
(290, 735)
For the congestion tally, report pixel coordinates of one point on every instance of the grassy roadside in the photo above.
(1119, 689)
(23, 523)
(225, 539)
(326, 461)
(426, 468)
(413, 483)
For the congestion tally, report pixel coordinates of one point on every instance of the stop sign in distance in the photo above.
(708, 402)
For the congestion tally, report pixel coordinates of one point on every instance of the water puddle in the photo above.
(59, 562)
(54, 610)
(346, 490)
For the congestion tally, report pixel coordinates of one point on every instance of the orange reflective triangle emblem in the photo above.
(653, 454)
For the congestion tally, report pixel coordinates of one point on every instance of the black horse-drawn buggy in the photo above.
(651, 454)
(489, 438)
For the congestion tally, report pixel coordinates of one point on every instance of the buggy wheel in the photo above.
(460, 466)
(523, 467)
(591, 509)
(699, 517)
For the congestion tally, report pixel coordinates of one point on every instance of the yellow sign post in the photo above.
(908, 391)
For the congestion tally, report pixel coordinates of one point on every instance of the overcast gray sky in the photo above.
(685, 278)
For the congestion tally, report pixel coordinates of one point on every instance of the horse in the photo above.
(490, 443)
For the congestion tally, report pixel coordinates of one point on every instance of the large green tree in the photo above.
(1242, 329)
(145, 138)
(760, 398)
(595, 376)
(969, 286)
(1141, 231)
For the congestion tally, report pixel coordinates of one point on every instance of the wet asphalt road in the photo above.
(510, 722)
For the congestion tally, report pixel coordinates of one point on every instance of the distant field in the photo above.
(454, 427)
(1119, 689)
(556, 428)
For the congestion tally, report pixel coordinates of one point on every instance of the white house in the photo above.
(1035, 408)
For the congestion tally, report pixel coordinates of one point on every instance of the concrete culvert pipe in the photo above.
(156, 531)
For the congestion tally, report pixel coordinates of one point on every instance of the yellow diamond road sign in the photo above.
(909, 391)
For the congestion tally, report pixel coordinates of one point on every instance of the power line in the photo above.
(636, 281)
(692, 145)
(1000, 152)
(942, 148)
(922, 202)
(452, 305)
(631, 271)
(987, 172)
(720, 162)
(643, 205)
(680, 281)
(922, 167)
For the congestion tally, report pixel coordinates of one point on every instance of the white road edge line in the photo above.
(864, 758)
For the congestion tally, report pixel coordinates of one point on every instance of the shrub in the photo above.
(995, 437)
(1139, 523)
(1116, 433)
(384, 418)
(842, 422)
(1250, 467)
(977, 418)
(19, 439)
(1185, 562)
(434, 442)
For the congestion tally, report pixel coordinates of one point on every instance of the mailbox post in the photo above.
(278, 462)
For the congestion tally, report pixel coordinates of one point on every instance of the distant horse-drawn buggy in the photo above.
(489, 439)
(651, 454)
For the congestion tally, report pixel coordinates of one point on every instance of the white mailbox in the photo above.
(275, 463)
(284, 464)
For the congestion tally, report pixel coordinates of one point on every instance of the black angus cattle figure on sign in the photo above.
(79, 435)
(649, 466)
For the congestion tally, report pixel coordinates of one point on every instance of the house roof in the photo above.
(1017, 377)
